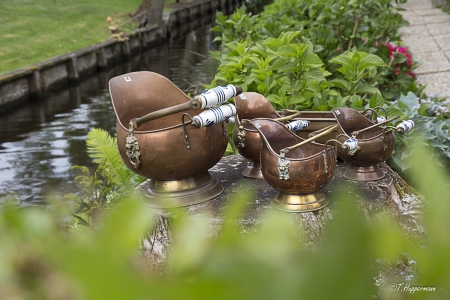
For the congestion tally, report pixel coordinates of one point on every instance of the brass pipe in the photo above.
(355, 133)
(290, 117)
(314, 133)
(136, 122)
(325, 132)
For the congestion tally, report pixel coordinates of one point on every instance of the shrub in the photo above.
(309, 56)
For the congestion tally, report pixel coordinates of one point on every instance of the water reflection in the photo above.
(42, 140)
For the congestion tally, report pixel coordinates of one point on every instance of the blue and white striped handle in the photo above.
(297, 125)
(350, 145)
(405, 126)
(217, 95)
(381, 119)
(215, 115)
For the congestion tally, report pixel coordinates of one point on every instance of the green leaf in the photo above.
(296, 99)
(371, 60)
(409, 101)
(399, 58)
(314, 74)
(344, 60)
(376, 100)
(342, 84)
(393, 111)
(289, 67)
(289, 36)
(312, 60)
(364, 88)
(318, 48)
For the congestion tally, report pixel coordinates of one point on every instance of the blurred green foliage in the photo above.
(443, 4)
(41, 259)
(431, 116)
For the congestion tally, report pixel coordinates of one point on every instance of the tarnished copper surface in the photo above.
(251, 105)
(163, 152)
(310, 167)
(376, 144)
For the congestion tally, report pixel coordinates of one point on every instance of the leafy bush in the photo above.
(322, 54)
(431, 116)
(288, 72)
(333, 27)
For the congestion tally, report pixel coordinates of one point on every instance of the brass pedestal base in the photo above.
(253, 170)
(184, 192)
(300, 203)
(364, 173)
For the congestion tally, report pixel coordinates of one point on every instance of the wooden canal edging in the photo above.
(35, 80)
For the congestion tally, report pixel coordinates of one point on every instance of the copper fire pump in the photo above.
(157, 142)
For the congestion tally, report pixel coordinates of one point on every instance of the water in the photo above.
(41, 140)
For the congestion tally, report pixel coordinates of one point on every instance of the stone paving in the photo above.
(428, 38)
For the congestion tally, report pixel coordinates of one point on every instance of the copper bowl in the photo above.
(178, 173)
(375, 144)
(299, 174)
(245, 137)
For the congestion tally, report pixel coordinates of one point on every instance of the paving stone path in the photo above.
(428, 38)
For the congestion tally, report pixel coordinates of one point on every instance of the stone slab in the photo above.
(443, 20)
(437, 83)
(414, 30)
(447, 53)
(413, 18)
(444, 41)
(406, 6)
(421, 10)
(439, 28)
(422, 44)
(431, 62)
(419, 4)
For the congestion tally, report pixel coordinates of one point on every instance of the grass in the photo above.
(35, 30)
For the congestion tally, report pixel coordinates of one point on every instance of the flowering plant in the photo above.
(400, 59)
(399, 76)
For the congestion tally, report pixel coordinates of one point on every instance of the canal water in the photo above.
(41, 140)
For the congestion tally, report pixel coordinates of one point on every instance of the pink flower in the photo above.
(364, 40)
(391, 47)
(402, 50)
(412, 74)
(408, 59)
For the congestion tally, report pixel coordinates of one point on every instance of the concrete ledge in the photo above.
(32, 81)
